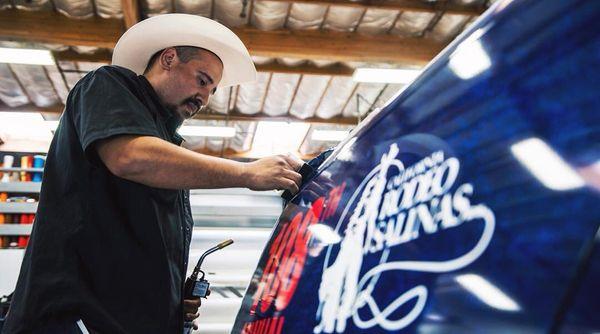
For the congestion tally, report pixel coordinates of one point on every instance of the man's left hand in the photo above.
(190, 309)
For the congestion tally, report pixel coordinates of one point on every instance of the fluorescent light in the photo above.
(487, 292)
(207, 131)
(329, 135)
(277, 138)
(52, 125)
(382, 75)
(26, 56)
(470, 58)
(546, 165)
(24, 125)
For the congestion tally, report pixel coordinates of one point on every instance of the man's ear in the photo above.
(167, 58)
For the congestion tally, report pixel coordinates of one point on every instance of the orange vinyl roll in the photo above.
(3, 197)
(29, 165)
(23, 175)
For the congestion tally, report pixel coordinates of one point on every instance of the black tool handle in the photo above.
(306, 171)
(195, 287)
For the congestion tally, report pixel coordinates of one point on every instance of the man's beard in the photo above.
(190, 107)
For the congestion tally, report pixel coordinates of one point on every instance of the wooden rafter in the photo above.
(354, 89)
(47, 27)
(378, 97)
(104, 56)
(209, 115)
(433, 22)
(131, 12)
(54, 89)
(62, 74)
(264, 97)
(410, 5)
(310, 129)
(19, 83)
(229, 100)
(322, 96)
(322, 24)
(289, 109)
(250, 12)
(360, 19)
(335, 69)
(287, 15)
(232, 106)
(94, 7)
(53, 4)
(391, 28)
(100, 56)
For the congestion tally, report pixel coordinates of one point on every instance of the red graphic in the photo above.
(284, 266)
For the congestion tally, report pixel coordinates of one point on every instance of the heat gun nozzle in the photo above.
(225, 243)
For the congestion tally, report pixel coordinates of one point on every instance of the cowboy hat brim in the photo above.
(140, 42)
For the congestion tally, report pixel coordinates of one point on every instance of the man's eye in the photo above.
(202, 83)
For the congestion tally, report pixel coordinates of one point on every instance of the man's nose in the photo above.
(205, 94)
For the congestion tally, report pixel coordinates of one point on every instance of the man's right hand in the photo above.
(276, 172)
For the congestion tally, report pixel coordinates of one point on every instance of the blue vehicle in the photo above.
(469, 204)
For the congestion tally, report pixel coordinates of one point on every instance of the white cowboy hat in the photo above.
(140, 42)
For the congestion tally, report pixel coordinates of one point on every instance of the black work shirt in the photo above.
(104, 249)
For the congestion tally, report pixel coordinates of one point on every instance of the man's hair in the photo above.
(185, 54)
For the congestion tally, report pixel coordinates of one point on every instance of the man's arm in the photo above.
(158, 163)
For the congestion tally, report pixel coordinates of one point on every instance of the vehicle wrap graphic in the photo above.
(394, 205)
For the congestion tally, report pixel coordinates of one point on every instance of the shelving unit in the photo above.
(20, 187)
(15, 229)
(19, 169)
(11, 258)
(18, 207)
(8, 207)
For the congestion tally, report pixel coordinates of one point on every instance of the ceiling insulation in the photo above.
(10, 90)
(296, 95)
(36, 84)
(309, 94)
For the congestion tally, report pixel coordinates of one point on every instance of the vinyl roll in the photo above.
(7, 162)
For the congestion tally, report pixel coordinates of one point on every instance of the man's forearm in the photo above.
(157, 163)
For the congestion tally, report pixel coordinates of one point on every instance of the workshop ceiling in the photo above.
(305, 51)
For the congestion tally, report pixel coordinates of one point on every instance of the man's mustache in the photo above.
(195, 101)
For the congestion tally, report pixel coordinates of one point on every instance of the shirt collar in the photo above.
(171, 121)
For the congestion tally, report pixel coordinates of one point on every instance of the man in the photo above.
(109, 248)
